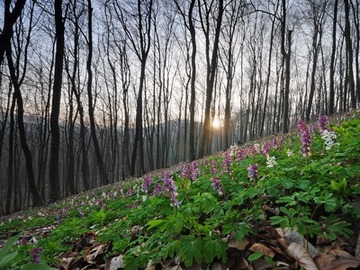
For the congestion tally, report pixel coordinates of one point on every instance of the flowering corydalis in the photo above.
(305, 138)
(253, 171)
(270, 161)
(323, 123)
(36, 255)
(190, 171)
(227, 161)
(289, 153)
(241, 154)
(216, 185)
(170, 188)
(330, 138)
(233, 150)
(146, 183)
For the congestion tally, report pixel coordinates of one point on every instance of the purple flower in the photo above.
(227, 161)
(170, 188)
(147, 182)
(323, 123)
(266, 148)
(215, 183)
(213, 170)
(36, 255)
(129, 192)
(241, 154)
(251, 150)
(190, 171)
(158, 189)
(59, 215)
(101, 203)
(253, 171)
(305, 138)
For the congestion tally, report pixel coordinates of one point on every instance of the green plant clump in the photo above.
(304, 181)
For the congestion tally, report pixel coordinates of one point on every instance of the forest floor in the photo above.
(310, 221)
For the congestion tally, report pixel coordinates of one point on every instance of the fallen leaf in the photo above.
(263, 249)
(238, 244)
(85, 240)
(302, 256)
(99, 249)
(115, 263)
(336, 260)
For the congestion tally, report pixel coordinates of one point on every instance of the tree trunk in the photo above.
(211, 72)
(10, 18)
(349, 53)
(55, 192)
(103, 175)
(332, 63)
(36, 197)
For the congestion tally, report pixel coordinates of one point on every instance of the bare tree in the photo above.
(99, 159)
(317, 13)
(205, 10)
(229, 59)
(189, 21)
(349, 55)
(138, 32)
(332, 62)
(55, 191)
(285, 40)
(10, 18)
(17, 80)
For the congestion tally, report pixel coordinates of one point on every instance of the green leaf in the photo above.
(239, 199)
(7, 260)
(190, 250)
(242, 230)
(155, 223)
(283, 221)
(9, 243)
(214, 248)
(255, 256)
(228, 228)
(36, 267)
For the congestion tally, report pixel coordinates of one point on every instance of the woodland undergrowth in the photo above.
(238, 210)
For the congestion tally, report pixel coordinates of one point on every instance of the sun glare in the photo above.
(216, 123)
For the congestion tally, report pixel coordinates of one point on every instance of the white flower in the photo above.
(233, 150)
(329, 137)
(270, 161)
(257, 147)
(289, 153)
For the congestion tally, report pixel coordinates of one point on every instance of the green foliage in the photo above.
(304, 193)
(6, 256)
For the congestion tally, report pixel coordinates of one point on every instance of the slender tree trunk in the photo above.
(332, 63)
(98, 155)
(356, 14)
(192, 150)
(212, 70)
(54, 179)
(267, 78)
(286, 113)
(349, 52)
(36, 197)
(10, 18)
(138, 148)
(10, 172)
(313, 73)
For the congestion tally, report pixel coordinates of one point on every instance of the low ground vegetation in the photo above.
(285, 202)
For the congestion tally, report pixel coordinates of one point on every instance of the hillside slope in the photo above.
(285, 202)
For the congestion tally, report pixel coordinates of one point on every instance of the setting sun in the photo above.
(216, 123)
